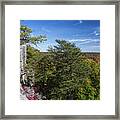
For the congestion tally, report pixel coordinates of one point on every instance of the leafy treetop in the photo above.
(26, 37)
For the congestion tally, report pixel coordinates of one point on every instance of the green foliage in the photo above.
(64, 73)
(33, 58)
(33, 55)
(26, 37)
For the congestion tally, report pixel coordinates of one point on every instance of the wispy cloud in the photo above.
(79, 22)
(45, 30)
(83, 40)
(86, 42)
(77, 40)
(96, 33)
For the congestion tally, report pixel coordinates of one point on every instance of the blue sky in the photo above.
(84, 33)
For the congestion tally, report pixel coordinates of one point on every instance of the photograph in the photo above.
(59, 59)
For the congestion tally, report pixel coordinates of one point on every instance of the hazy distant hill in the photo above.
(93, 55)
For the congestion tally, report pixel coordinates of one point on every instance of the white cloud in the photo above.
(96, 33)
(83, 40)
(45, 30)
(82, 43)
(77, 40)
(79, 22)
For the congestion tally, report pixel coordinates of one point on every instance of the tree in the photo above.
(65, 55)
(72, 72)
(26, 37)
(64, 73)
(90, 88)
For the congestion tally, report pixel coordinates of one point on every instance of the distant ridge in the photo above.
(82, 52)
(95, 53)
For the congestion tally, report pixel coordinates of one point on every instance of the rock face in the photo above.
(27, 93)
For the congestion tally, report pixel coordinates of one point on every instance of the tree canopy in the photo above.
(65, 73)
(27, 37)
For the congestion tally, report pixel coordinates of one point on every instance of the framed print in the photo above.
(60, 59)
